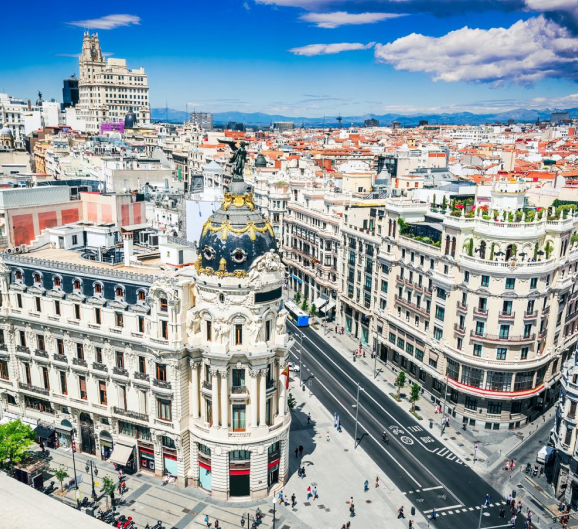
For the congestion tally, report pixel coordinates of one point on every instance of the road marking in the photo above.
(406, 440)
(432, 488)
(444, 509)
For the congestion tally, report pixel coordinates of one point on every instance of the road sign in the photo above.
(97, 483)
(476, 446)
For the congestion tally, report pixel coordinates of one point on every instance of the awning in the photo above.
(43, 432)
(298, 279)
(121, 454)
(63, 428)
(319, 302)
(329, 307)
(433, 356)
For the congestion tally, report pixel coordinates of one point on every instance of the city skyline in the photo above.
(333, 56)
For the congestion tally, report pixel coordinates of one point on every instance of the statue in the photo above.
(269, 262)
(238, 159)
(254, 331)
(281, 322)
(193, 322)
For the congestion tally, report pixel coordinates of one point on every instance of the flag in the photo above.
(286, 373)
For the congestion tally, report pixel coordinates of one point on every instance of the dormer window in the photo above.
(76, 285)
(141, 296)
(57, 282)
(98, 288)
(119, 292)
(18, 275)
(37, 278)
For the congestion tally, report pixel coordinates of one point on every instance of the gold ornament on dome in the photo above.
(221, 272)
(227, 227)
(238, 201)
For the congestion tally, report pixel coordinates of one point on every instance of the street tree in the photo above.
(414, 395)
(15, 439)
(400, 382)
(291, 402)
(297, 297)
(60, 474)
(313, 310)
(108, 489)
(304, 305)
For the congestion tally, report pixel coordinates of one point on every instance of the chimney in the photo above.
(128, 247)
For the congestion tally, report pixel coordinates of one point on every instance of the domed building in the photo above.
(130, 119)
(260, 161)
(237, 342)
(6, 138)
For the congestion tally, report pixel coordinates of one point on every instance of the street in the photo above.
(430, 475)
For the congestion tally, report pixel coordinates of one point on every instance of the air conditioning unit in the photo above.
(17, 249)
(153, 240)
(9, 250)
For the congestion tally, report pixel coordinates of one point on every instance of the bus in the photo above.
(296, 315)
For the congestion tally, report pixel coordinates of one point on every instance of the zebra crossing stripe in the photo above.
(451, 456)
(435, 450)
(443, 452)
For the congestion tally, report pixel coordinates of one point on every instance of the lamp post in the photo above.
(274, 506)
(444, 407)
(300, 352)
(93, 472)
(375, 343)
(76, 494)
(356, 405)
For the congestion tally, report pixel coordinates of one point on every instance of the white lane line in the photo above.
(425, 469)
(444, 509)
(433, 488)
(365, 429)
(443, 452)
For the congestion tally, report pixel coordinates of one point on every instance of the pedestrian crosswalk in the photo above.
(448, 454)
(459, 509)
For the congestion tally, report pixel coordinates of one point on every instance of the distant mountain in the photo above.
(458, 118)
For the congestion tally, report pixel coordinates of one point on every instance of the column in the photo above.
(263, 398)
(195, 389)
(215, 396)
(224, 398)
(281, 388)
(253, 373)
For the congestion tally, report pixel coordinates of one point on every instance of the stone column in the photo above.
(224, 398)
(215, 396)
(195, 389)
(253, 373)
(281, 388)
(263, 398)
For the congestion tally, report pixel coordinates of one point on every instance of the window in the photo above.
(119, 360)
(164, 410)
(80, 351)
(98, 288)
(209, 331)
(57, 282)
(504, 332)
(165, 329)
(238, 334)
(527, 330)
(19, 300)
(524, 380)
(477, 349)
(472, 376)
(409, 348)
(98, 354)
(97, 316)
(466, 277)
(60, 346)
(76, 284)
(524, 353)
(238, 378)
(471, 404)
(453, 369)
(498, 381)
(141, 324)
(440, 312)
(534, 282)
(167, 442)
(75, 239)
(268, 330)
(122, 397)
(162, 372)
(517, 407)
(510, 283)
(433, 362)
(57, 307)
(118, 319)
(77, 311)
(480, 327)
(164, 306)
(141, 296)
(400, 342)
(419, 354)
(485, 281)
(392, 337)
(18, 275)
(438, 333)
(239, 420)
(40, 342)
(494, 407)
(63, 384)
(4, 370)
(507, 308)
(37, 304)
(501, 353)
(119, 292)
(102, 392)
(82, 387)
(441, 293)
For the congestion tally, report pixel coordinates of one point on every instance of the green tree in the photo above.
(433, 202)
(291, 402)
(313, 310)
(548, 249)
(444, 202)
(304, 305)
(60, 474)
(403, 226)
(15, 439)
(108, 489)
(297, 297)
(414, 395)
(400, 382)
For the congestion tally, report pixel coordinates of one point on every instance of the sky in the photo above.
(311, 57)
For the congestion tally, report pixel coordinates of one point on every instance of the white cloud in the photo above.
(342, 18)
(524, 53)
(330, 49)
(246, 6)
(107, 22)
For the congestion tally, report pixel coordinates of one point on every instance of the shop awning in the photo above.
(63, 428)
(330, 306)
(298, 279)
(121, 454)
(433, 356)
(320, 302)
(43, 432)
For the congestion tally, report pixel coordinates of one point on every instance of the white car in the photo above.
(294, 367)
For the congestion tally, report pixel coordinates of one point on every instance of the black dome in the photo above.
(130, 120)
(260, 161)
(235, 235)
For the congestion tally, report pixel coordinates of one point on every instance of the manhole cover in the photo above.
(307, 504)
(367, 501)
(346, 449)
(520, 486)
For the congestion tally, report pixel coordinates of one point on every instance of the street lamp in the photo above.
(300, 352)
(356, 406)
(77, 493)
(274, 506)
(444, 407)
(93, 472)
(375, 343)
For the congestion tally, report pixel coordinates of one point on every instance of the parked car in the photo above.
(294, 367)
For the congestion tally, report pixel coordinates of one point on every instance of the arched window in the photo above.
(119, 292)
(142, 296)
(447, 247)
(509, 251)
(18, 275)
(37, 278)
(57, 281)
(98, 288)
(77, 284)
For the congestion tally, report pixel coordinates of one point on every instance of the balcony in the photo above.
(506, 315)
(207, 385)
(499, 338)
(79, 362)
(271, 386)
(459, 330)
(130, 414)
(22, 349)
(3, 347)
(462, 307)
(163, 384)
(239, 390)
(41, 353)
(99, 367)
(35, 389)
(141, 376)
(478, 311)
(120, 371)
(531, 315)
(411, 305)
(60, 358)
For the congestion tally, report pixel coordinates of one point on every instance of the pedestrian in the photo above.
(299, 472)
(507, 465)
(308, 493)
(519, 507)
(216, 524)
(512, 465)
(434, 514)
(530, 514)
(410, 524)
(509, 500)
(207, 523)
(526, 524)
(300, 450)
(488, 500)
(315, 495)
(308, 418)
(328, 436)
(352, 510)
(42, 446)
(400, 513)
(296, 452)
(513, 521)
(347, 525)
(366, 486)
(302, 472)
(281, 502)
(376, 482)
(243, 521)
(293, 500)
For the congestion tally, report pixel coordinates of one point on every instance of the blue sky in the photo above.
(312, 57)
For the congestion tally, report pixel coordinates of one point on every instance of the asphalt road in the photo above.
(428, 473)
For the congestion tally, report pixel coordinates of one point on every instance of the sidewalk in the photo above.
(493, 446)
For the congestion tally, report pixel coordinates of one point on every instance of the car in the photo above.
(294, 367)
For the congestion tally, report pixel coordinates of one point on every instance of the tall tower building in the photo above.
(108, 89)
(239, 418)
